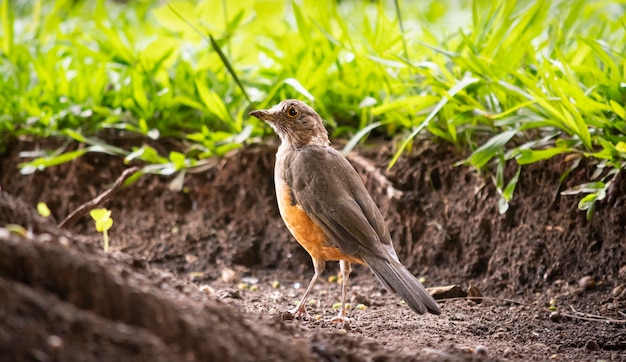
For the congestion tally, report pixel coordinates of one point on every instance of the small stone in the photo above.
(229, 275)
(474, 293)
(618, 290)
(587, 282)
(44, 238)
(140, 263)
(63, 241)
(190, 258)
(250, 280)
(286, 316)
(206, 289)
(55, 342)
(481, 350)
(361, 299)
(592, 345)
(555, 316)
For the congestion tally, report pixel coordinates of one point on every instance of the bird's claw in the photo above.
(300, 312)
(341, 318)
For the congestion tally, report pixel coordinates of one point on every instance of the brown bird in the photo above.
(326, 207)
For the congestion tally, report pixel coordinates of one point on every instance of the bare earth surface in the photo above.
(209, 273)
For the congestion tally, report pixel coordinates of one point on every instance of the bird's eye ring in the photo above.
(292, 112)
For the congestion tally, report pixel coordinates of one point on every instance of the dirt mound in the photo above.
(141, 301)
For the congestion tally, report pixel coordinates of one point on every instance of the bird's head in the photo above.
(296, 123)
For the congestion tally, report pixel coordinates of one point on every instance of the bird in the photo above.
(326, 207)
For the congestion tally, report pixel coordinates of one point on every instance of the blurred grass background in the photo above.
(503, 81)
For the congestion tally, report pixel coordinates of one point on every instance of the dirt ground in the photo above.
(209, 272)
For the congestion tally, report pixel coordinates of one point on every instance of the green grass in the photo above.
(510, 82)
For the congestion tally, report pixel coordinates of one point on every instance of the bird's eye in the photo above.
(292, 112)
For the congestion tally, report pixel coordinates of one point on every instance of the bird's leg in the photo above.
(345, 273)
(300, 310)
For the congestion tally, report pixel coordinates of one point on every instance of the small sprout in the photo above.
(43, 209)
(254, 288)
(342, 331)
(17, 230)
(275, 284)
(337, 305)
(553, 306)
(422, 280)
(103, 220)
(318, 317)
(361, 307)
(296, 303)
(312, 302)
(242, 286)
(333, 279)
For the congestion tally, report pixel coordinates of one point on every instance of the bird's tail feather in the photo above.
(395, 277)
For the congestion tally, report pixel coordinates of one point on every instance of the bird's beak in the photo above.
(263, 114)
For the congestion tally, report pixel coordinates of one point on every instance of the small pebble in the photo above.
(481, 350)
(587, 282)
(55, 342)
(190, 258)
(141, 263)
(250, 280)
(229, 275)
(555, 316)
(206, 289)
(592, 345)
(361, 299)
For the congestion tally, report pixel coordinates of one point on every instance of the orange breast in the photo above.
(307, 233)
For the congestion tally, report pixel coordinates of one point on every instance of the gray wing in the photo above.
(331, 192)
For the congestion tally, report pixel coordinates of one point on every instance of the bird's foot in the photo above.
(341, 319)
(300, 312)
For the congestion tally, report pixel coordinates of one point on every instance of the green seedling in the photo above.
(43, 209)
(103, 220)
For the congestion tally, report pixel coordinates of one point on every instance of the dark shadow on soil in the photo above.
(64, 299)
